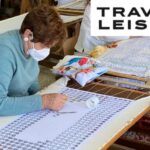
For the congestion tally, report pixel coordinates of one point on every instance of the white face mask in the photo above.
(39, 55)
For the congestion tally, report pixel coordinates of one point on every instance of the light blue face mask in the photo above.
(39, 54)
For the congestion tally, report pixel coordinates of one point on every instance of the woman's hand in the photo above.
(112, 45)
(53, 101)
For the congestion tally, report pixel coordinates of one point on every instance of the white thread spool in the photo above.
(92, 102)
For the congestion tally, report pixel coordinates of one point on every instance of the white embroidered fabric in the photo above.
(130, 56)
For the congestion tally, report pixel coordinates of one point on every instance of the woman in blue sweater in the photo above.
(20, 51)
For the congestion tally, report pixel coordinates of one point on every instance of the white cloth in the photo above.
(108, 131)
(62, 2)
(129, 57)
(88, 42)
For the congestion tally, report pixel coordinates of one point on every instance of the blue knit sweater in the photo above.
(18, 77)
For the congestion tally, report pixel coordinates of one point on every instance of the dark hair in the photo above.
(46, 25)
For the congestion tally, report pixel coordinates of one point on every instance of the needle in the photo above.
(67, 112)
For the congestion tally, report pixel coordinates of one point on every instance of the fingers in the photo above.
(60, 102)
(64, 96)
(59, 106)
(55, 101)
(112, 45)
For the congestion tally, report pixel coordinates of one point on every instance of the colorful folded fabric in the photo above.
(82, 69)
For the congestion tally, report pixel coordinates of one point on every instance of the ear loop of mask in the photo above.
(31, 37)
(26, 39)
(33, 45)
